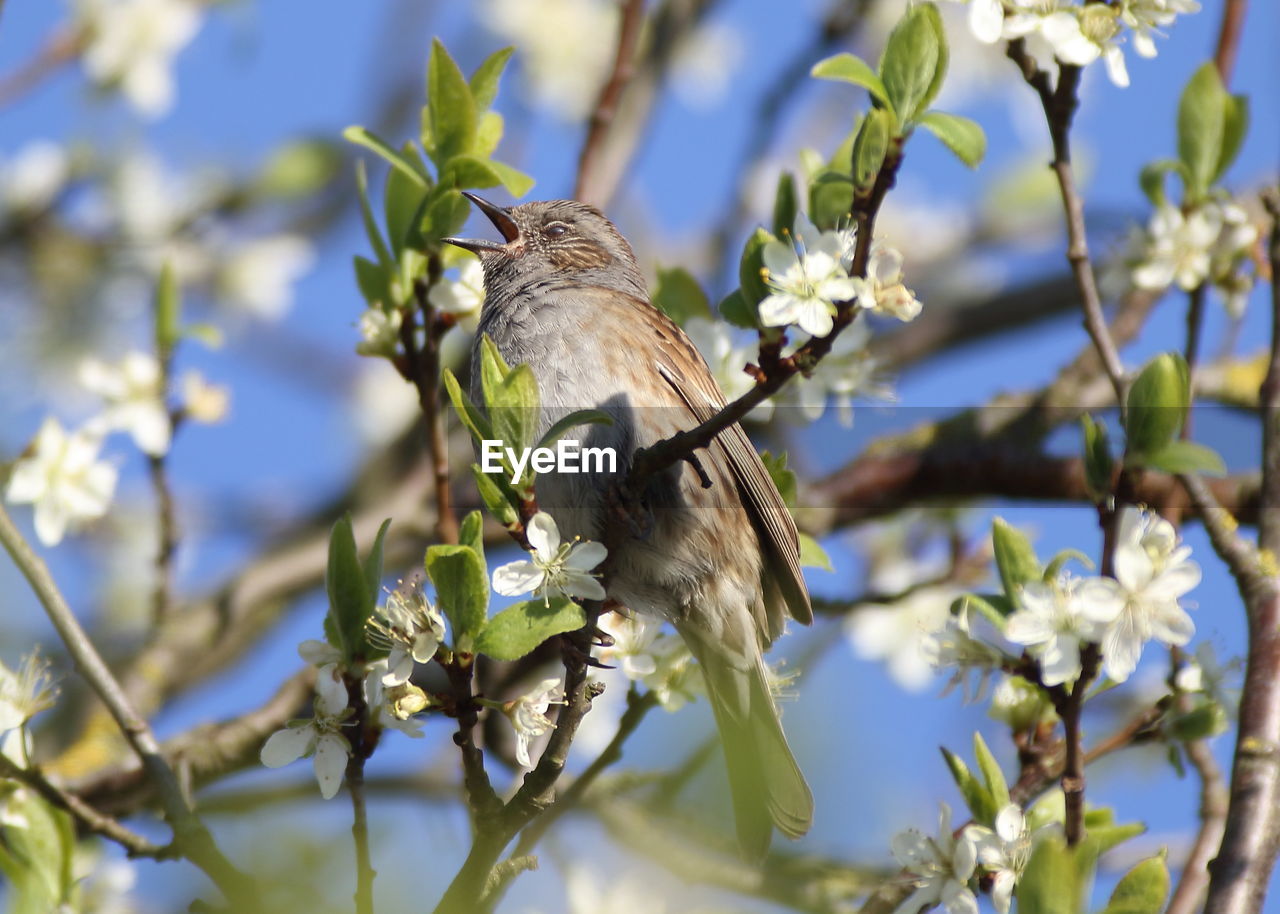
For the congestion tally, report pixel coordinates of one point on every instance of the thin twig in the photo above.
(60, 48)
(1229, 31)
(364, 740)
(606, 107)
(191, 838)
(166, 512)
(1194, 879)
(423, 370)
(89, 818)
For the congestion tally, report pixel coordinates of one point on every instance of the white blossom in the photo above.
(726, 359)
(1054, 618)
(806, 281)
(940, 868)
(528, 715)
(1076, 35)
(320, 737)
(954, 648)
(1176, 248)
(1004, 852)
(1152, 573)
(259, 275)
(392, 705)
(555, 568)
(896, 633)
(203, 402)
(319, 653)
(882, 290)
(31, 180)
(1229, 254)
(131, 45)
(26, 691)
(1146, 17)
(461, 297)
(64, 479)
(633, 637)
(409, 628)
(379, 332)
(846, 372)
(134, 395)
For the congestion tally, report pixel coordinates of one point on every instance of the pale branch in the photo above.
(89, 818)
(1189, 892)
(630, 19)
(191, 838)
(1240, 873)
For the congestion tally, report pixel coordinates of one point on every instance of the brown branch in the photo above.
(422, 368)
(1229, 31)
(90, 819)
(631, 16)
(60, 48)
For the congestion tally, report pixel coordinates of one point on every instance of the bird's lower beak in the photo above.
(500, 217)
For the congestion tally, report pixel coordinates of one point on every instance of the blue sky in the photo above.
(260, 74)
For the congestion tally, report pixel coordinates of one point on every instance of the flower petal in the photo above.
(330, 763)
(516, 578)
(286, 746)
(544, 535)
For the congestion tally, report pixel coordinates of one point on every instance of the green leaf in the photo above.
(168, 304)
(831, 197)
(476, 421)
(574, 419)
(467, 171)
(402, 205)
(350, 599)
(870, 148)
(934, 19)
(851, 69)
(44, 847)
(734, 309)
(1186, 457)
(680, 296)
(997, 786)
(26, 890)
(994, 607)
(373, 564)
(445, 213)
(783, 479)
(471, 533)
(497, 495)
(1052, 570)
(450, 121)
(362, 137)
(518, 629)
(1151, 178)
(976, 797)
(462, 589)
(1015, 558)
(914, 62)
(488, 133)
(1202, 114)
(812, 555)
(371, 280)
(1235, 124)
(1157, 405)
(484, 81)
(1102, 838)
(785, 204)
(1204, 721)
(1142, 890)
(751, 268)
(366, 216)
(1098, 463)
(959, 134)
(1051, 883)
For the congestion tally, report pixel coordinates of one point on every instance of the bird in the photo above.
(718, 554)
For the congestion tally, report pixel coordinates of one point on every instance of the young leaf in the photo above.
(349, 597)
(362, 137)
(1186, 457)
(680, 296)
(735, 310)
(497, 495)
(1015, 558)
(831, 195)
(168, 310)
(812, 555)
(518, 629)
(513, 408)
(976, 797)
(366, 216)
(1051, 883)
(471, 533)
(1151, 178)
(476, 422)
(373, 565)
(371, 281)
(785, 204)
(516, 182)
(959, 134)
(997, 786)
(1202, 114)
(445, 213)
(850, 69)
(751, 268)
(783, 479)
(912, 60)
(402, 204)
(484, 81)
(1235, 124)
(450, 121)
(574, 419)
(994, 607)
(1156, 405)
(1098, 463)
(870, 148)
(462, 589)
(1142, 890)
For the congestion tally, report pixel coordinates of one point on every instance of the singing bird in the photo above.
(721, 562)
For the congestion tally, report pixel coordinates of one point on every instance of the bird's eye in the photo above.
(556, 230)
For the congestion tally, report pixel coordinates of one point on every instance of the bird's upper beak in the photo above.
(500, 217)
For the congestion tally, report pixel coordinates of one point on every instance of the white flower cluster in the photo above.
(1054, 619)
(1077, 34)
(942, 868)
(809, 273)
(460, 298)
(644, 653)
(62, 475)
(24, 693)
(1209, 244)
(130, 46)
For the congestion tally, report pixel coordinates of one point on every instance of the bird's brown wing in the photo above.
(698, 390)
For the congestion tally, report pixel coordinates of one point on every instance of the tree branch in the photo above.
(631, 17)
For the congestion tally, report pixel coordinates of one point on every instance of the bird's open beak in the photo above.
(501, 218)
